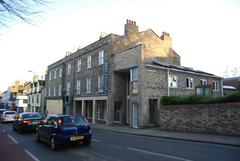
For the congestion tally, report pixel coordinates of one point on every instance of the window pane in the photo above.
(172, 81)
(134, 74)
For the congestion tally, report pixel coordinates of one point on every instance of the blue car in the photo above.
(61, 129)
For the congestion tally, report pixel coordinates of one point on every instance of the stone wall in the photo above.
(204, 118)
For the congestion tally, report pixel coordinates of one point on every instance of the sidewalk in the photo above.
(155, 132)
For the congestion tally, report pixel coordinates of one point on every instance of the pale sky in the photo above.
(205, 33)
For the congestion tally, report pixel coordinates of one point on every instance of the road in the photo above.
(108, 146)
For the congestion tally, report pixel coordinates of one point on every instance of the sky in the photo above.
(205, 33)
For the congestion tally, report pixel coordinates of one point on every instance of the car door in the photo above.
(43, 128)
(50, 127)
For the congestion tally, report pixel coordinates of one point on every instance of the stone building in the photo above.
(120, 79)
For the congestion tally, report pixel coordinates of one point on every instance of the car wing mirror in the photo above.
(16, 116)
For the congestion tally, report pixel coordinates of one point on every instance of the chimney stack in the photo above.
(130, 27)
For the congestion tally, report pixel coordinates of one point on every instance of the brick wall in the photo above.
(204, 118)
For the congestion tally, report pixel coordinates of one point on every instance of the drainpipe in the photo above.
(167, 82)
(222, 86)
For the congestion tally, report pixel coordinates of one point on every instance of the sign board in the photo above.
(105, 77)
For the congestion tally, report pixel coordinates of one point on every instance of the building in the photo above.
(120, 79)
(231, 85)
(18, 88)
(1, 102)
(36, 94)
(21, 103)
(5, 98)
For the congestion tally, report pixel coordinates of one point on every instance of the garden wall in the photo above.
(222, 118)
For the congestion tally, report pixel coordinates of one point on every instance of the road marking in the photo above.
(96, 140)
(31, 155)
(15, 141)
(158, 154)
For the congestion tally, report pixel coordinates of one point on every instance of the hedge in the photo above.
(196, 99)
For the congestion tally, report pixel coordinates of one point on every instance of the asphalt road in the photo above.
(108, 146)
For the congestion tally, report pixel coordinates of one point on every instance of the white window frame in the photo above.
(101, 57)
(79, 62)
(38, 87)
(60, 72)
(55, 74)
(50, 75)
(59, 90)
(133, 74)
(54, 90)
(88, 85)
(49, 91)
(172, 81)
(78, 86)
(69, 69)
(100, 83)
(89, 61)
(203, 81)
(215, 86)
(189, 83)
(68, 88)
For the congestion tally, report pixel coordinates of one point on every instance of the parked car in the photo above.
(8, 116)
(1, 112)
(61, 129)
(26, 121)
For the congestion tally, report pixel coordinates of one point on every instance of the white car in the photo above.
(8, 116)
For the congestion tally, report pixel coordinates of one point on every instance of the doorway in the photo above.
(153, 111)
(135, 115)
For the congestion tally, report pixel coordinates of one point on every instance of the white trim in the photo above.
(31, 155)
(91, 98)
(15, 141)
(158, 154)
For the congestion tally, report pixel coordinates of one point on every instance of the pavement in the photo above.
(184, 136)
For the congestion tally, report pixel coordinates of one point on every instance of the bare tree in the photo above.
(24, 10)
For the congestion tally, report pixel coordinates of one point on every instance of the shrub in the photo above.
(196, 99)
(235, 97)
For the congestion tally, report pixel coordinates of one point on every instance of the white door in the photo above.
(135, 114)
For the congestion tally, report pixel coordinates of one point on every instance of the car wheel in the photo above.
(20, 130)
(37, 139)
(53, 143)
(87, 142)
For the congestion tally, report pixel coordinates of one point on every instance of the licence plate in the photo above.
(73, 138)
(32, 123)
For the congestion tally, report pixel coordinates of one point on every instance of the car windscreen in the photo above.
(10, 113)
(31, 115)
(74, 120)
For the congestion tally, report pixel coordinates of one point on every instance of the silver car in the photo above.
(8, 116)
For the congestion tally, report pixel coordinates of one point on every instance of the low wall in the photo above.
(203, 118)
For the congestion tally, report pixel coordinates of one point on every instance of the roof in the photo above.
(181, 68)
(233, 78)
(229, 87)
